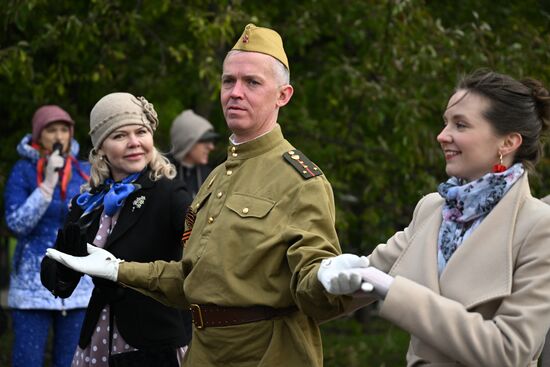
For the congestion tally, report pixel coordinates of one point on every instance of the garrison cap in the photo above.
(263, 40)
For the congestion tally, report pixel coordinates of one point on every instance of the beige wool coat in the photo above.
(491, 304)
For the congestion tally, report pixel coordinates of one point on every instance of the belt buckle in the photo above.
(195, 307)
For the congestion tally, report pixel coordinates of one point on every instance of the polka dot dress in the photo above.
(97, 352)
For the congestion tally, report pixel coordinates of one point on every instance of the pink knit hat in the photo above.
(45, 115)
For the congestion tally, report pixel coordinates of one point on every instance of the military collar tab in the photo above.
(257, 146)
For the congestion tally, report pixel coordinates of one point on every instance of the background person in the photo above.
(192, 138)
(469, 278)
(255, 234)
(38, 191)
(133, 208)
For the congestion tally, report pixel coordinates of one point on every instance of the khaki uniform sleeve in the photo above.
(160, 280)
(312, 237)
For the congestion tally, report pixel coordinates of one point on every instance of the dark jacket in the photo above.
(143, 233)
(192, 176)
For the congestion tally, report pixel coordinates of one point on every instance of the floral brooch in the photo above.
(138, 202)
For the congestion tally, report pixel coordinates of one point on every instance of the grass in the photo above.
(376, 343)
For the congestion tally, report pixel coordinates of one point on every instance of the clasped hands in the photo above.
(342, 274)
(99, 262)
(348, 273)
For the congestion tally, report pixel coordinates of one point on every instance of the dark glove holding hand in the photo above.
(58, 278)
(74, 241)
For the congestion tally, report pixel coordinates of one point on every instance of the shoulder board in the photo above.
(302, 164)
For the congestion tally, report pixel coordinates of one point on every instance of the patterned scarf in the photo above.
(468, 203)
(111, 194)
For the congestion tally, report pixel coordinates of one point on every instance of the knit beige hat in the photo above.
(120, 109)
(263, 40)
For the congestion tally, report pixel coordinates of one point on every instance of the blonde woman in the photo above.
(133, 208)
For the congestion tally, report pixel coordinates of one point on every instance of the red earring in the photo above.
(497, 168)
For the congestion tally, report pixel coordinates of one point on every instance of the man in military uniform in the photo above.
(255, 235)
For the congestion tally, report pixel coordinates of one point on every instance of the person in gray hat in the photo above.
(134, 208)
(193, 139)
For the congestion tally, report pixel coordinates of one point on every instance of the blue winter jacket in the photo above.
(34, 220)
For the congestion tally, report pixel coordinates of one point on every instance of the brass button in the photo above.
(197, 205)
(233, 149)
(229, 172)
(295, 156)
(245, 210)
(210, 220)
(220, 194)
(291, 152)
(234, 154)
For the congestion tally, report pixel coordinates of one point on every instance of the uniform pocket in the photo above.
(248, 206)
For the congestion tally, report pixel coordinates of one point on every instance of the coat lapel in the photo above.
(132, 210)
(481, 268)
(419, 261)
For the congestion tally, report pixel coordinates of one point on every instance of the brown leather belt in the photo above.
(217, 316)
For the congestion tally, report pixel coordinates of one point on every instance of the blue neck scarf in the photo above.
(468, 203)
(112, 195)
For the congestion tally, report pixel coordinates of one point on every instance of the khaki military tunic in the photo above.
(261, 229)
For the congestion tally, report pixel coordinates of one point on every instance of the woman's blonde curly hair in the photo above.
(158, 167)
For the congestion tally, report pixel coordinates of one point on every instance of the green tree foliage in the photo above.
(371, 78)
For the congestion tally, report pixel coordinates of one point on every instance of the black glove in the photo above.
(74, 242)
(58, 278)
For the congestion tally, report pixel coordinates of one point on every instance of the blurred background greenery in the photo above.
(371, 80)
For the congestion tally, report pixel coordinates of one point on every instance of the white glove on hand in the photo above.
(340, 275)
(99, 263)
(373, 277)
(55, 162)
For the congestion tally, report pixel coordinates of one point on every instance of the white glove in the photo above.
(340, 275)
(55, 162)
(99, 263)
(373, 277)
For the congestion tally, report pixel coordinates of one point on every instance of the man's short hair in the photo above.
(280, 72)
